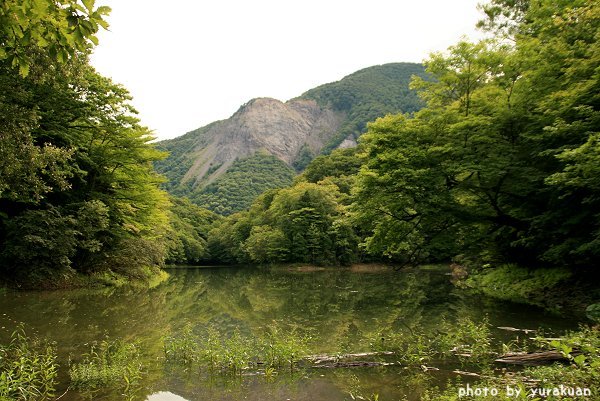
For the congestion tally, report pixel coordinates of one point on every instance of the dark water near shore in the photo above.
(337, 308)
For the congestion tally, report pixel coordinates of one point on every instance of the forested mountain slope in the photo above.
(293, 132)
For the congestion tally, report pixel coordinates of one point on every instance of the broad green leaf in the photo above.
(23, 68)
(89, 4)
(579, 360)
(103, 10)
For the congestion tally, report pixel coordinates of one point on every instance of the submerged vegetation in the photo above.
(107, 364)
(274, 349)
(28, 368)
(30, 372)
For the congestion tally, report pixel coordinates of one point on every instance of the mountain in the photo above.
(225, 164)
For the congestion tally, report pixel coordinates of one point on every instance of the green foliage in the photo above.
(303, 223)
(471, 341)
(593, 312)
(581, 374)
(412, 348)
(304, 157)
(187, 235)
(107, 364)
(340, 167)
(234, 352)
(77, 187)
(368, 94)
(61, 29)
(361, 97)
(519, 284)
(502, 163)
(182, 348)
(48, 240)
(266, 244)
(28, 369)
(242, 183)
(465, 337)
(283, 347)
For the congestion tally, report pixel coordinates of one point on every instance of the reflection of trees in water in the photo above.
(337, 307)
(329, 305)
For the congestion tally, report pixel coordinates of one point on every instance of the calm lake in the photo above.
(337, 308)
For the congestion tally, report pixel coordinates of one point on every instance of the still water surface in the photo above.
(338, 308)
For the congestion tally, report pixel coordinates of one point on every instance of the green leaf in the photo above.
(103, 10)
(23, 68)
(72, 20)
(89, 4)
(579, 360)
(102, 23)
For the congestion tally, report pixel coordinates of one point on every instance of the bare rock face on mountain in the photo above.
(263, 144)
(263, 124)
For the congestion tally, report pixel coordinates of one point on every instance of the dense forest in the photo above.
(368, 94)
(502, 163)
(243, 182)
(78, 192)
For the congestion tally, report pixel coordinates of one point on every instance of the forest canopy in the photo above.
(502, 165)
(78, 191)
(503, 162)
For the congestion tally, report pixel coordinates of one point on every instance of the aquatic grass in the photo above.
(410, 348)
(576, 377)
(465, 338)
(212, 350)
(579, 346)
(182, 347)
(236, 352)
(28, 368)
(107, 364)
(283, 347)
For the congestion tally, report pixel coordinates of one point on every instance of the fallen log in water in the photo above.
(317, 359)
(353, 364)
(526, 331)
(532, 358)
(463, 373)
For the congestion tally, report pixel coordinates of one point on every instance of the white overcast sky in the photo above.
(190, 62)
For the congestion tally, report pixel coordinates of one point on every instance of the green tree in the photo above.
(503, 158)
(60, 28)
(77, 186)
(266, 245)
(186, 238)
